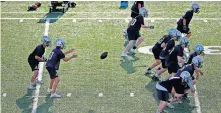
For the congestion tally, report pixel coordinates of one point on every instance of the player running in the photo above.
(183, 23)
(53, 63)
(134, 31)
(37, 56)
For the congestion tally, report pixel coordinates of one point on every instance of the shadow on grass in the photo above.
(46, 107)
(127, 65)
(25, 102)
(54, 16)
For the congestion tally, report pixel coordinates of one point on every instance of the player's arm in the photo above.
(69, 51)
(163, 45)
(39, 58)
(139, 5)
(74, 55)
(197, 71)
(38, 54)
(180, 59)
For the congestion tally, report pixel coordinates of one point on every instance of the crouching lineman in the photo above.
(176, 56)
(53, 63)
(191, 68)
(134, 29)
(37, 56)
(183, 23)
(198, 50)
(165, 87)
(158, 47)
(175, 36)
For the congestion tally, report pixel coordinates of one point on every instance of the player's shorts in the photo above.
(33, 65)
(134, 14)
(164, 63)
(156, 52)
(162, 95)
(180, 28)
(52, 72)
(133, 34)
(173, 67)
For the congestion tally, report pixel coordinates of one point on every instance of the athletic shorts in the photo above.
(162, 95)
(52, 72)
(132, 34)
(33, 65)
(164, 63)
(156, 52)
(180, 28)
(173, 67)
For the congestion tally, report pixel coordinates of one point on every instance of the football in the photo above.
(103, 55)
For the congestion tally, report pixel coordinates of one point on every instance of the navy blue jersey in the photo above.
(175, 82)
(189, 68)
(188, 16)
(54, 58)
(165, 52)
(136, 23)
(192, 55)
(164, 39)
(176, 51)
(38, 51)
(134, 8)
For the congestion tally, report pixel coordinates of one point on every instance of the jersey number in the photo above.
(171, 51)
(133, 22)
(51, 56)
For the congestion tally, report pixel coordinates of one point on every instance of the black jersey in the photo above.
(189, 68)
(165, 52)
(38, 51)
(175, 82)
(188, 16)
(54, 58)
(176, 51)
(192, 55)
(164, 39)
(136, 23)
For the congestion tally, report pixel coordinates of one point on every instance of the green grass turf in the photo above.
(87, 76)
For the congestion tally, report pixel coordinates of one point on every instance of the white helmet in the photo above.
(195, 7)
(197, 60)
(46, 40)
(143, 11)
(60, 43)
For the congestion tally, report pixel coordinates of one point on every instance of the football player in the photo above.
(176, 56)
(198, 50)
(53, 63)
(183, 23)
(158, 47)
(133, 31)
(165, 87)
(135, 10)
(165, 52)
(191, 68)
(37, 56)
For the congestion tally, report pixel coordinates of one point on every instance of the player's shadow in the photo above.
(46, 107)
(127, 65)
(25, 102)
(151, 86)
(54, 16)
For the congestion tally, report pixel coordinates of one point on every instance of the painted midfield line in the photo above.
(41, 67)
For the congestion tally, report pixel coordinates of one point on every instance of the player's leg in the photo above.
(161, 71)
(163, 96)
(34, 68)
(156, 53)
(131, 38)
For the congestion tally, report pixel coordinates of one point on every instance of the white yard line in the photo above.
(196, 96)
(108, 18)
(41, 67)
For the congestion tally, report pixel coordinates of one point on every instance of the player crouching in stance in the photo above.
(134, 29)
(183, 23)
(165, 87)
(159, 46)
(53, 63)
(191, 68)
(37, 56)
(175, 36)
(198, 50)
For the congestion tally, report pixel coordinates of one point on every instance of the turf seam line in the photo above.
(41, 67)
(109, 18)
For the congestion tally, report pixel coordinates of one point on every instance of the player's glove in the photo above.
(184, 27)
(151, 27)
(44, 59)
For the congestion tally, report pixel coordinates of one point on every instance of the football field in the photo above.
(111, 85)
